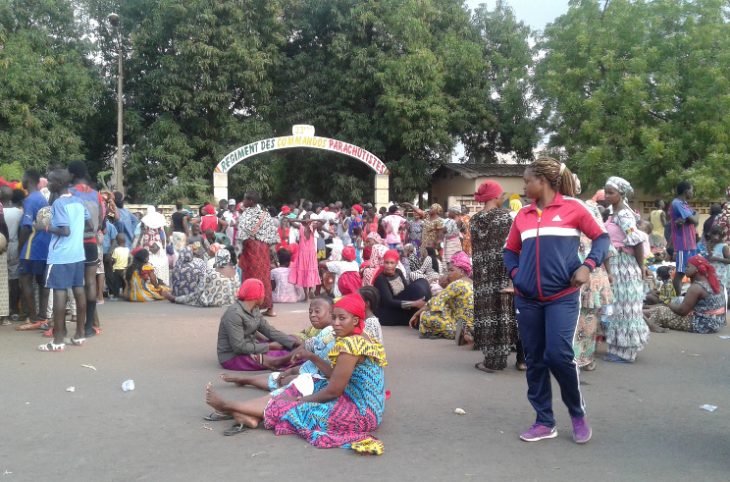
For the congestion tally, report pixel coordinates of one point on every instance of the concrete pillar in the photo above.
(220, 185)
(382, 190)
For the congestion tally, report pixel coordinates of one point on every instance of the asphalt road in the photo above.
(646, 417)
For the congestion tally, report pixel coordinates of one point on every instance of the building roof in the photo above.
(472, 171)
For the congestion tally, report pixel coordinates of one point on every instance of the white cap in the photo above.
(231, 202)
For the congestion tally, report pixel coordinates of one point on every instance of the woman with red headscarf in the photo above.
(346, 271)
(209, 219)
(495, 328)
(399, 298)
(339, 412)
(703, 308)
(239, 347)
(451, 311)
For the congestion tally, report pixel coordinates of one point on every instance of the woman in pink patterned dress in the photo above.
(305, 270)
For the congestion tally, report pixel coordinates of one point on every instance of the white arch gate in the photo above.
(303, 136)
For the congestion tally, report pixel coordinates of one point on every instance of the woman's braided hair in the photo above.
(556, 174)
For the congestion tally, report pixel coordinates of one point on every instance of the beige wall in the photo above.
(460, 191)
(441, 189)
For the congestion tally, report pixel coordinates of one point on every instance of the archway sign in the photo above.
(303, 136)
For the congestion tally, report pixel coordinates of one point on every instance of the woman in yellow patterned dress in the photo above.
(451, 308)
(142, 284)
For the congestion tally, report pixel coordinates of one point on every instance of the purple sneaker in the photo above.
(538, 432)
(581, 430)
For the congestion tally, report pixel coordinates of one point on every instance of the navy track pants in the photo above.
(547, 329)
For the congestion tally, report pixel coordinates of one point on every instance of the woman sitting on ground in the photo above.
(452, 308)
(339, 412)
(142, 284)
(374, 261)
(217, 287)
(187, 274)
(703, 308)
(399, 298)
(159, 261)
(239, 345)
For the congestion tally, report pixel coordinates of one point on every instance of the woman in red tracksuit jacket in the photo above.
(541, 257)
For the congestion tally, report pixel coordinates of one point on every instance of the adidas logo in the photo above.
(557, 218)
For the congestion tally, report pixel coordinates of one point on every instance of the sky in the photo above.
(535, 13)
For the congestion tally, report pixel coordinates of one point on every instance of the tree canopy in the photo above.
(50, 90)
(641, 89)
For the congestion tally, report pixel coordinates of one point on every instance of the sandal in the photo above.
(217, 417)
(235, 429)
(75, 341)
(52, 347)
(29, 325)
(521, 366)
(48, 333)
(615, 359)
(482, 367)
(590, 367)
(96, 331)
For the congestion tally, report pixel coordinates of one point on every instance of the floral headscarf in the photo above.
(375, 237)
(222, 258)
(621, 185)
(462, 261)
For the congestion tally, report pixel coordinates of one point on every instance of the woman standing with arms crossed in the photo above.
(540, 257)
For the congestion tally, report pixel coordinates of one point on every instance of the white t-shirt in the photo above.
(338, 268)
(13, 216)
(394, 223)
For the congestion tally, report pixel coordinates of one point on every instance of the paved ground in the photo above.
(646, 417)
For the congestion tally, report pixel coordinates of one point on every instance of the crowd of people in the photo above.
(547, 280)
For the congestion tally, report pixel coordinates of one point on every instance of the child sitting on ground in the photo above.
(665, 292)
(282, 290)
(659, 297)
(371, 295)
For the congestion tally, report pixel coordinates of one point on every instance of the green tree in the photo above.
(50, 91)
(640, 89)
(499, 114)
(196, 76)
